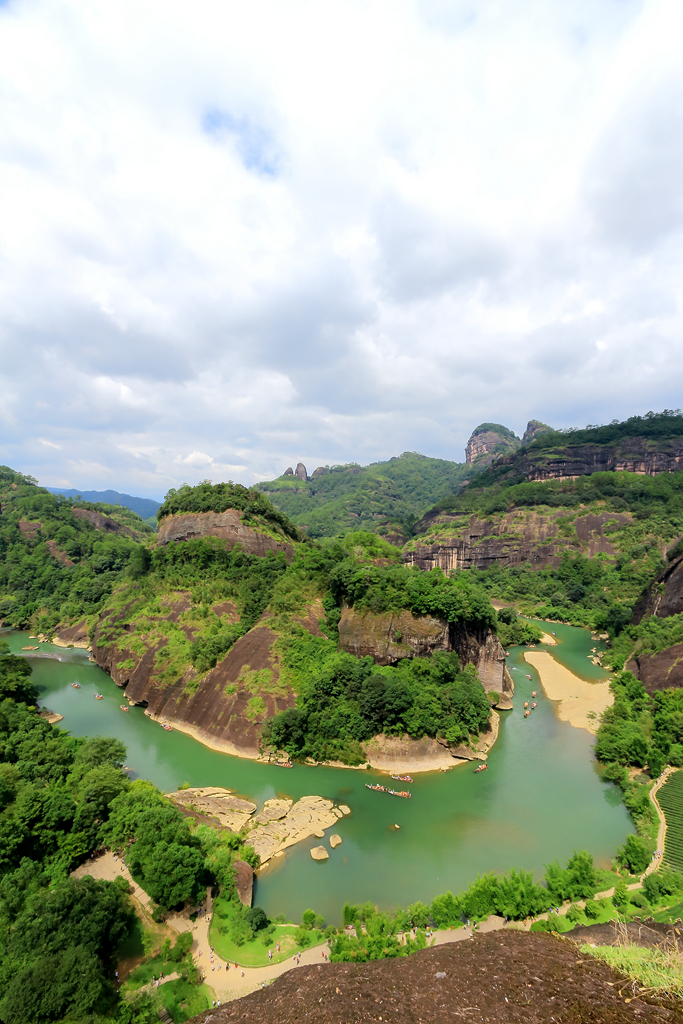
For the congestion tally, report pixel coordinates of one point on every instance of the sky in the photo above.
(238, 235)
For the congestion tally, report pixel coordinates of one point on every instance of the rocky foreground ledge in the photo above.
(499, 978)
(279, 824)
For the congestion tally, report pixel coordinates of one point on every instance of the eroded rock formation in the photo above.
(300, 471)
(281, 823)
(391, 636)
(660, 671)
(227, 526)
(225, 709)
(489, 440)
(567, 462)
(522, 537)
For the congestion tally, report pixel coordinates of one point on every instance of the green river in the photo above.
(541, 798)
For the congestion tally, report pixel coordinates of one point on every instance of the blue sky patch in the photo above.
(254, 143)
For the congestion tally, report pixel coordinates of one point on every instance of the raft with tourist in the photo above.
(480, 768)
(76, 686)
(402, 778)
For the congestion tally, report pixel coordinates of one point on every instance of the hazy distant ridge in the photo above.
(145, 507)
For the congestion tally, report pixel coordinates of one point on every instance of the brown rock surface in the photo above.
(664, 596)
(244, 882)
(29, 528)
(215, 802)
(227, 526)
(521, 537)
(481, 445)
(364, 633)
(57, 552)
(218, 712)
(659, 671)
(504, 977)
(73, 636)
(102, 522)
(300, 471)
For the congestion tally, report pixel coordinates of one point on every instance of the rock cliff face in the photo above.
(225, 709)
(634, 455)
(392, 636)
(102, 522)
(665, 595)
(227, 526)
(521, 537)
(661, 671)
(489, 440)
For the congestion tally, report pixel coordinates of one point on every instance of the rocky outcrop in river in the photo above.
(224, 709)
(391, 636)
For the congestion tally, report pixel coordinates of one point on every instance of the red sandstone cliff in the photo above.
(521, 537)
(224, 709)
(227, 526)
(391, 636)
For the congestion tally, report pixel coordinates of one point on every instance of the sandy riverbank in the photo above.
(549, 640)
(580, 703)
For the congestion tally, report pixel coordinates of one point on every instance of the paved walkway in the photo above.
(110, 866)
(230, 982)
(656, 862)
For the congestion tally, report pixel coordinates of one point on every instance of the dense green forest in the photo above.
(55, 566)
(346, 700)
(384, 497)
(62, 798)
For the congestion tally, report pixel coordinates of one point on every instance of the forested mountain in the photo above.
(146, 508)
(579, 526)
(384, 497)
(59, 559)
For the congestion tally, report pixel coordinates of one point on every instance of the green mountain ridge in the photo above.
(384, 498)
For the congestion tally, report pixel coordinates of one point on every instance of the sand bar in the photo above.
(577, 698)
(548, 639)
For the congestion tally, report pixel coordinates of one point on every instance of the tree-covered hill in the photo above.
(146, 508)
(59, 558)
(384, 497)
(648, 444)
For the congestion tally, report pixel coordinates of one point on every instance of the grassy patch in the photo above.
(183, 1000)
(255, 709)
(254, 951)
(674, 913)
(655, 970)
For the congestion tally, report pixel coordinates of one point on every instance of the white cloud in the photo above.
(332, 231)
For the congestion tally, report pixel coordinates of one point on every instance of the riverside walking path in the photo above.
(230, 982)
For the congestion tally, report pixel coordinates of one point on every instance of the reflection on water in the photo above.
(541, 798)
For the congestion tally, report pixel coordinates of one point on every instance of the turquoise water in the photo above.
(541, 798)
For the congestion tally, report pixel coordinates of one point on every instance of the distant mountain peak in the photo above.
(489, 440)
(533, 429)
